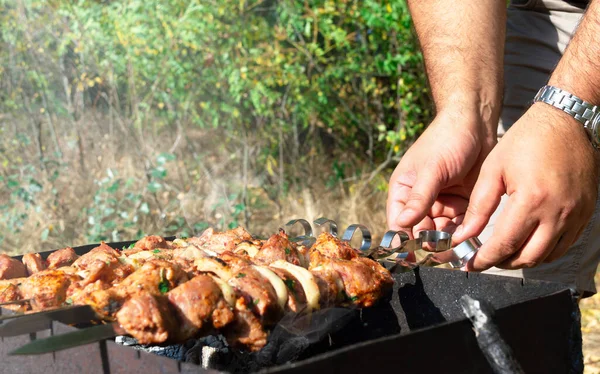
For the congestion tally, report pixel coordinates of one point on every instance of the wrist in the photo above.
(479, 107)
(480, 113)
(578, 111)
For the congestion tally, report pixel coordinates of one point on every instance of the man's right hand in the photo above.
(430, 187)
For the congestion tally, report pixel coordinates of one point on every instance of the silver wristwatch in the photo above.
(584, 112)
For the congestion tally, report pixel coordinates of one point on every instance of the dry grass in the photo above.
(209, 168)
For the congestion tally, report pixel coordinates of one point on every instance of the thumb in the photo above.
(485, 198)
(420, 199)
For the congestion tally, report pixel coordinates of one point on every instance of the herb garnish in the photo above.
(255, 301)
(240, 275)
(289, 283)
(69, 301)
(131, 246)
(163, 286)
(287, 250)
(354, 298)
(156, 251)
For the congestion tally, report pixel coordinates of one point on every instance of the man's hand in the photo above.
(431, 185)
(549, 169)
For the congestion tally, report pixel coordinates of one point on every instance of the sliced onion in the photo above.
(303, 256)
(211, 265)
(251, 249)
(227, 290)
(276, 282)
(180, 243)
(306, 279)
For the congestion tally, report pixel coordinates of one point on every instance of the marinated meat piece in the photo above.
(219, 242)
(199, 302)
(235, 261)
(364, 283)
(11, 268)
(77, 293)
(296, 296)
(245, 331)
(331, 287)
(47, 289)
(103, 253)
(10, 292)
(110, 271)
(332, 247)
(147, 318)
(61, 257)
(151, 242)
(155, 277)
(278, 247)
(258, 293)
(33, 263)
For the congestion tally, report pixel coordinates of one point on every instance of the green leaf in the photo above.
(154, 187)
(240, 275)
(159, 172)
(163, 158)
(144, 208)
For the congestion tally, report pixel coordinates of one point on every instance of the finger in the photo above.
(420, 199)
(449, 206)
(397, 197)
(512, 229)
(425, 224)
(485, 198)
(445, 224)
(534, 251)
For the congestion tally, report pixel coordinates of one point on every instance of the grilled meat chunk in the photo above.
(47, 289)
(278, 247)
(199, 302)
(331, 286)
(11, 268)
(258, 293)
(296, 296)
(221, 241)
(151, 242)
(364, 283)
(330, 246)
(33, 263)
(245, 331)
(9, 291)
(155, 277)
(148, 318)
(103, 253)
(61, 257)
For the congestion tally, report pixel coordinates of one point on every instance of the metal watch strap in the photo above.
(584, 112)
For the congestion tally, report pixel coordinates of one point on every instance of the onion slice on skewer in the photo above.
(227, 290)
(276, 282)
(306, 279)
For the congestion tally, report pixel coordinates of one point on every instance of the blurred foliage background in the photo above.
(121, 118)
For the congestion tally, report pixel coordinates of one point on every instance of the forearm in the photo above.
(463, 47)
(578, 72)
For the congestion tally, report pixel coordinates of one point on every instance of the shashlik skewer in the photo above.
(253, 278)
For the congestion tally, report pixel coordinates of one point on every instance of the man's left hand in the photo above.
(549, 169)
